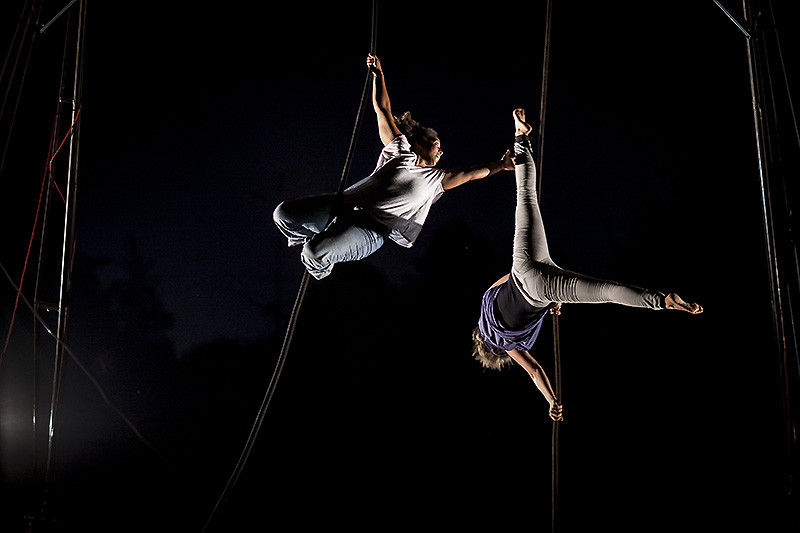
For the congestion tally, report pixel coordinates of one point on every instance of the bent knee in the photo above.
(316, 252)
(280, 215)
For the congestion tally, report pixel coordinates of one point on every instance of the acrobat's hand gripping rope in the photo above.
(300, 293)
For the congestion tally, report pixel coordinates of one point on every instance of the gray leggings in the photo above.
(539, 279)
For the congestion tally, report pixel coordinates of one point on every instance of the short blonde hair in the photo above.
(485, 355)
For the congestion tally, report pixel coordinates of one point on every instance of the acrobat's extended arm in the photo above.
(454, 178)
(537, 374)
(387, 128)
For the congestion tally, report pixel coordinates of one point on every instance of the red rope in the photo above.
(35, 224)
(50, 163)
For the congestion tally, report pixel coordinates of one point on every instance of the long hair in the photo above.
(485, 355)
(415, 131)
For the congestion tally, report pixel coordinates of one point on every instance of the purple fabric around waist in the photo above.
(496, 335)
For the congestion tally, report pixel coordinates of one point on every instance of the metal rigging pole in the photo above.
(773, 117)
(54, 274)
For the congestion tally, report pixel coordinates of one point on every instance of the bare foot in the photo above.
(520, 126)
(673, 301)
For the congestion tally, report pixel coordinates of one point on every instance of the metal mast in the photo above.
(773, 116)
(53, 287)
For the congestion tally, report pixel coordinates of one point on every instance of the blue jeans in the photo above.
(330, 233)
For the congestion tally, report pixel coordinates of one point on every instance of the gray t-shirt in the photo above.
(398, 193)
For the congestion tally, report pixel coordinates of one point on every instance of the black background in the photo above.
(198, 120)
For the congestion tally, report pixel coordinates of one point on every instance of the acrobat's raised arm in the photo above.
(387, 128)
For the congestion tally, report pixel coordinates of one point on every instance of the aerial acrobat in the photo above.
(392, 202)
(513, 308)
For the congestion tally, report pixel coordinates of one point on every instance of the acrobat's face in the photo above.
(429, 154)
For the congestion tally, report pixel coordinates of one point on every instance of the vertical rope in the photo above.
(362, 105)
(287, 340)
(373, 38)
(554, 514)
(543, 96)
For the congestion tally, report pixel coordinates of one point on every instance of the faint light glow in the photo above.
(12, 420)
(16, 432)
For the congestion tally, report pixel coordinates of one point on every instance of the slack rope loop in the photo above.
(354, 136)
(234, 478)
(237, 471)
(364, 99)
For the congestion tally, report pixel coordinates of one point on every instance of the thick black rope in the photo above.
(543, 97)
(554, 521)
(287, 340)
(262, 411)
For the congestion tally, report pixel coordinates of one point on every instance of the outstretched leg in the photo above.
(530, 241)
(540, 280)
(548, 283)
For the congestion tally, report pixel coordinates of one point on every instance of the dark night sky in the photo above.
(197, 121)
